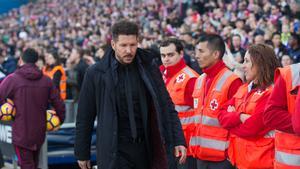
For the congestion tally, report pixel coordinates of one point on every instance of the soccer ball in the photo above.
(8, 111)
(53, 122)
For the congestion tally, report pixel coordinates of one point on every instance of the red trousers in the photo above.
(27, 159)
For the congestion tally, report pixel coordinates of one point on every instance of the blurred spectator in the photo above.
(294, 44)
(76, 58)
(56, 72)
(85, 24)
(239, 29)
(285, 35)
(10, 63)
(88, 57)
(189, 51)
(232, 64)
(72, 86)
(100, 52)
(279, 48)
(41, 62)
(236, 48)
(187, 38)
(2, 71)
(286, 60)
(259, 38)
(192, 63)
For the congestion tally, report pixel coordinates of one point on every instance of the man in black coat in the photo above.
(138, 127)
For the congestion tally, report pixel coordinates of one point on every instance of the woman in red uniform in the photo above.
(251, 144)
(281, 115)
(296, 117)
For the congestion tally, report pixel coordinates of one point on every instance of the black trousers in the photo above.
(1, 160)
(201, 164)
(132, 155)
(191, 163)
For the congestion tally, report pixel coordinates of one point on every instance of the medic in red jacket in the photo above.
(252, 142)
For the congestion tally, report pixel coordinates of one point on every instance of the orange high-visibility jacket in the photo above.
(210, 140)
(63, 80)
(287, 146)
(253, 153)
(176, 88)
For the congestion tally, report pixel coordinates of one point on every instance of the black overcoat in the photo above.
(98, 99)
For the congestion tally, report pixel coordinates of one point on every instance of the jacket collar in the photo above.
(170, 71)
(214, 69)
(109, 60)
(109, 64)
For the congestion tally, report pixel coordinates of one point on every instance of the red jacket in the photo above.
(209, 100)
(276, 115)
(249, 146)
(296, 115)
(252, 127)
(169, 72)
(213, 71)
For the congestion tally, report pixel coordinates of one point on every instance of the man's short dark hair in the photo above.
(124, 27)
(178, 44)
(214, 43)
(188, 33)
(80, 51)
(30, 56)
(87, 52)
(296, 37)
(276, 33)
(236, 35)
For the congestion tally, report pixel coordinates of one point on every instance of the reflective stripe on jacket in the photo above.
(63, 80)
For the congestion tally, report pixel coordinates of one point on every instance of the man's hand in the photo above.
(89, 60)
(84, 164)
(231, 109)
(244, 117)
(180, 151)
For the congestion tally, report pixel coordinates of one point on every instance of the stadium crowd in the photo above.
(77, 32)
(72, 35)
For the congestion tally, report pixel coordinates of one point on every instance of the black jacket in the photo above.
(97, 98)
(80, 68)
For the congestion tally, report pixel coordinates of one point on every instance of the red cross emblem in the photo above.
(180, 78)
(214, 104)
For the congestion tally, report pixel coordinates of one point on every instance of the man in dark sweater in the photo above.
(31, 92)
(294, 50)
(138, 127)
